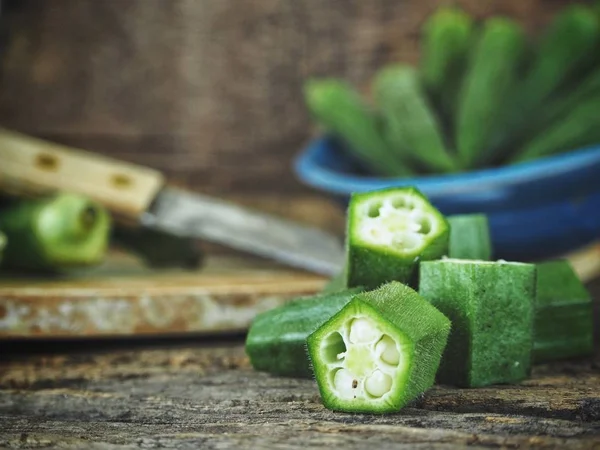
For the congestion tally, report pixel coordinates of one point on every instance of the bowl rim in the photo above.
(314, 174)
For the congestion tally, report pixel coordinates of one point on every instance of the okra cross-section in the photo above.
(490, 304)
(379, 352)
(389, 232)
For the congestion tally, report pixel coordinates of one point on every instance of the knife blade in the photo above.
(139, 195)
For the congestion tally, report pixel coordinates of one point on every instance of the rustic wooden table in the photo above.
(201, 393)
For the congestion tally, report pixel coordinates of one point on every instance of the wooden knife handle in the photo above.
(33, 167)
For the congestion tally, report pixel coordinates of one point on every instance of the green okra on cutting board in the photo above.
(409, 121)
(276, 340)
(469, 237)
(341, 111)
(489, 81)
(379, 352)
(564, 322)
(54, 233)
(491, 306)
(388, 232)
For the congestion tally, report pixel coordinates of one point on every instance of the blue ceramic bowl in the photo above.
(537, 210)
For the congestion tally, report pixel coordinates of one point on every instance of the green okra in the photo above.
(447, 37)
(379, 352)
(569, 41)
(341, 111)
(564, 324)
(276, 340)
(490, 79)
(388, 232)
(557, 109)
(410, 123)
(469, 237)
(491, 306)
(580, 127)
(566, 49)
(54, 233)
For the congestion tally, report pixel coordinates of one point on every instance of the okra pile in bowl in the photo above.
(491, 119)
(421, 302)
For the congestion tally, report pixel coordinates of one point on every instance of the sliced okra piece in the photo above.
(379, 352)
(389, 232)
(564, 319)
(470, 237)
(491, 305)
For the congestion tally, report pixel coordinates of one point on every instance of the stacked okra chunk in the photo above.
(420, 301)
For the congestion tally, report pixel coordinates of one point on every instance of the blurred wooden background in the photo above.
(207, 90)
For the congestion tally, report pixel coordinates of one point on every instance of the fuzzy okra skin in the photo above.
(54, 233)
(388, 232)
(564, 324)
(379, 352)
(276, 340)
(469, 237)
(491, 306)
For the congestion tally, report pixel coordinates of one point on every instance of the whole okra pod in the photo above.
(54, 233)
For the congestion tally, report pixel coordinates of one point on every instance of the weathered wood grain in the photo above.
(208, 396)
(123, 298)
(207, 90)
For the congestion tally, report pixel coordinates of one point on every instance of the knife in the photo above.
(140, 195)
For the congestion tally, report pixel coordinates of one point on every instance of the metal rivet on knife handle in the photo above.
(31, 167)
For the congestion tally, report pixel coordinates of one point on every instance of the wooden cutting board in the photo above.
(123, 298)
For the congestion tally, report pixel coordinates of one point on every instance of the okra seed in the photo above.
(408, 241)
(378, 384)
(363, 331)
(344, 383)
(388, 351)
